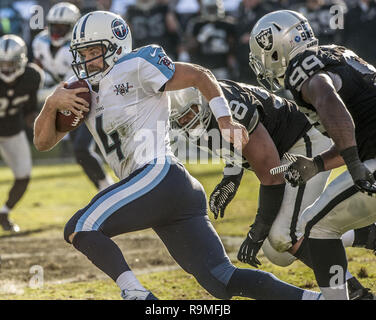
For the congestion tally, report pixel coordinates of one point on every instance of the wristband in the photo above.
(219, 107)
(350, 156)
(319, 162)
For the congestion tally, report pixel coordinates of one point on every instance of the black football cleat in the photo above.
(7, 224)
(357, 291)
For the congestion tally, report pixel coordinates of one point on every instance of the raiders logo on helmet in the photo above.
(265, 39)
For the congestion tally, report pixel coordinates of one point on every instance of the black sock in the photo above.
(303, 253)
(102, 252)
(261, 285)
(329, 261)
(17, 191)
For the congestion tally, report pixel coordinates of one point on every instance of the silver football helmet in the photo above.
(61, 19)
(275, 39)
(190, 113)
(13, 57)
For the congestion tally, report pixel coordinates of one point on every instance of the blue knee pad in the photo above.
(215, 281)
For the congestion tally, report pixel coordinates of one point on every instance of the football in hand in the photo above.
(67, 120)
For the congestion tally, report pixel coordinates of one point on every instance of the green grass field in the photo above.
(56, 192)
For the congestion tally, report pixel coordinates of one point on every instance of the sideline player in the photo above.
(275, 126)
(19, 84)
(51, 53)
(336, 89)
(155, 191)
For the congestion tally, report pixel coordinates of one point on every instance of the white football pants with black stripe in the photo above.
(341, 207)
(283, 234)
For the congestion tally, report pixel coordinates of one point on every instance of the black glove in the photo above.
(363, 179)
(223, 193)
(252, 244)
(302, 168)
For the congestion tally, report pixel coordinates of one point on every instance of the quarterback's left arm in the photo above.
(191, 75)
(262, 155)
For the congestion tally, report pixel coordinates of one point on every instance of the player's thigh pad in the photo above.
(16, 154)
(341, 207)
(283, 233)
(154, 195)
(282, 259)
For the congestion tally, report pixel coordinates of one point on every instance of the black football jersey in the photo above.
(251, 105)
(149, 26)
(18, 99)
(358, 89)
(216, 39)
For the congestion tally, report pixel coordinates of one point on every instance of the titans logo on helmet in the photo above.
(119, 29)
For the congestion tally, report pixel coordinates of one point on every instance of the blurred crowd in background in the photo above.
(213, 33)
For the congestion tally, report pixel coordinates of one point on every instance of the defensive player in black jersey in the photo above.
(275, 126)
(336, 89)
(19, 83)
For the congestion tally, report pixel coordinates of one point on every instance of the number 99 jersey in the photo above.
(251, 105)
(354, 80)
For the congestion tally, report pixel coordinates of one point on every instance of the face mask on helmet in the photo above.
(267, 78)
(97, 51)
(59, 32)
(13, 58)
(106, 31)
(190, 115)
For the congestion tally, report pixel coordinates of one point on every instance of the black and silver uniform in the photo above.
(18, 99)
(358, 90)
(251, 105)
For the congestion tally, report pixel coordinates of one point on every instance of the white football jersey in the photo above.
(129, 115)
(58, 66)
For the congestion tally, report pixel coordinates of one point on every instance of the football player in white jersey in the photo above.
(129, 121)
(51, 52)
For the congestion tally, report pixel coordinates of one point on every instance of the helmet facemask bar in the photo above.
(80, 67)
(265, 77)
(10, 70)
(196, 127)
(59, 33)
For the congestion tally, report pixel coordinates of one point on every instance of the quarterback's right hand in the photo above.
(223, 193)
(67, 99)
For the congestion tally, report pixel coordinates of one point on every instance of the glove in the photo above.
(252, 244)
(223, 193)
(363, 179)
(302, 168)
